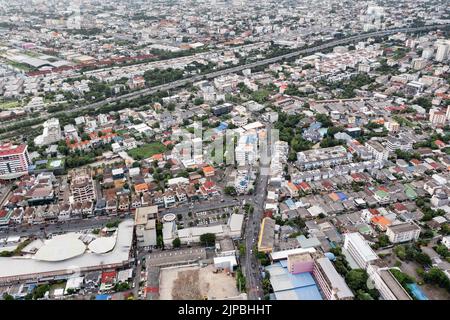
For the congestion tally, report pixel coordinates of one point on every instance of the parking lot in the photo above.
(204, 214)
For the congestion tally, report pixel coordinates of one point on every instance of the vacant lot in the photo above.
(194, 283)
(4, 105)
(147, 150)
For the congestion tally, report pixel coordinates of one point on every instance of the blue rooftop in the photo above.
(284, 263)
(290, 203)
(308, 293)
(342, 196)
(288, 286)
(222, 126)
(315, 125)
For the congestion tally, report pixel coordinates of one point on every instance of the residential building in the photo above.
(442, 52)
(145, 224)
(222, 109)
(385, 282)
(359, 249)
(14, 161)
(331, 283)
(403, 232)
(51, 134)
(82, 186)
(378, 151)
(392, 126)
(394, 143)
(246, 151)
(324, 157)
(437, 117)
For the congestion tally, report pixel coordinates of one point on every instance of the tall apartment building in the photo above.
(378, 151)
(51, 134)
(14, 161)
(331, 283)
(437, 117)
(246, 151)
(442, 52)
(82, 186)
(403, 232)
(359, 250)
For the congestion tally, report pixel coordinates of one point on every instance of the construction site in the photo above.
(196, 283)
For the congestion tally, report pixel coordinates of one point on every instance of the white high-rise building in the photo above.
(359, 249)
(442, 52)
(377, 150)
(51, 134)
(246, 151)
(428, 53)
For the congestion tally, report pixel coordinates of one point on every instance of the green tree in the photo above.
(39, 291)
(324, 120)
(438, 277)
(229, 190)
(423, 259)
(208, 239)
(199, 101)
(357, 279)
(7, 296)
(176, 242)
(400, 252)
(160, 241)
(85, 137)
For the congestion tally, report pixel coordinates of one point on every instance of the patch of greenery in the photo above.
(147, 150)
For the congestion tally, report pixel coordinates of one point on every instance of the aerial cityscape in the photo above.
(224, 150)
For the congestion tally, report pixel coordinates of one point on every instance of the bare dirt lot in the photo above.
(193, 282)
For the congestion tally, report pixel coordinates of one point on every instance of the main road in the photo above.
(251, 263)
(180, 83)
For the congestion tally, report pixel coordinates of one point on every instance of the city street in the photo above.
(251, 266)
(68, 226)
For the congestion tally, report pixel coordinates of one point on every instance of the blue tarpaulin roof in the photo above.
(342, 196)
(102, 297)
